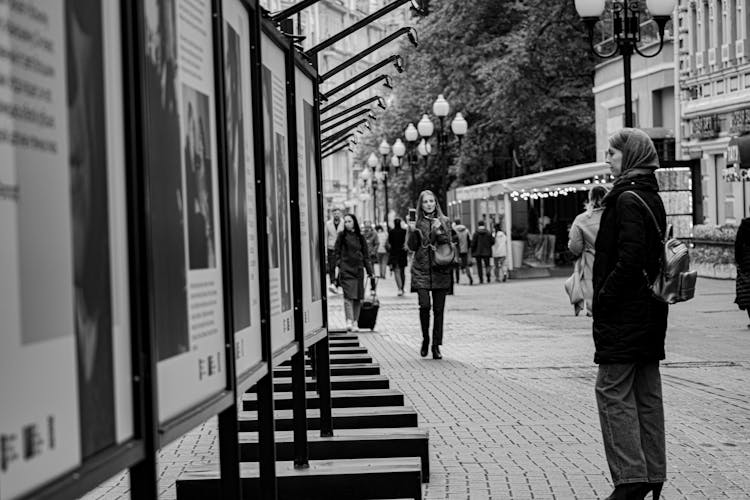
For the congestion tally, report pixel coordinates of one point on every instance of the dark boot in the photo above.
(436, 352)
(424, 322)
(630, 491)
(656, 490)
(425, 346)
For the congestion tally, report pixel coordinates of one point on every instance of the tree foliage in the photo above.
(520, 71)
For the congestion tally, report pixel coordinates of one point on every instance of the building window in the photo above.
(734, 83)
(706, 31)
(706, 90)
(719, 87)
(719, 25)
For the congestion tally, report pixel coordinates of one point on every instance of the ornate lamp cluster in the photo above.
(626, 33)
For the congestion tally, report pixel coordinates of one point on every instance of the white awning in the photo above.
(553, 178)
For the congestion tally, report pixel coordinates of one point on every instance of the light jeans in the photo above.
(631, 414)
(351, 309)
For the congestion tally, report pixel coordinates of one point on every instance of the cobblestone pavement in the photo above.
(511, 409)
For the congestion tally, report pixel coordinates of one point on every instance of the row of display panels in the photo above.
(66, 367)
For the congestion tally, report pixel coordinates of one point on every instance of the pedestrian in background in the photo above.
(368, 231)
(334, 226)
(397, 254)
(351, 262)
(382, 250)
(581, 240)
(481, 250)
(499, 251)
(742, 260)
(629, 323)
(464, 245)
(427, 278)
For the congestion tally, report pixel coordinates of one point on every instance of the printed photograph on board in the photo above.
(237, 182)
(165, 193)
(283, 223)
(90, 223)
(273, 235)
(198, 182)
(312, 202)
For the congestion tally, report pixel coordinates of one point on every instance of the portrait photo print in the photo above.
(198, 179)
(164, 170)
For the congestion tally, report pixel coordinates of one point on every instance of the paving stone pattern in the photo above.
(511, 409)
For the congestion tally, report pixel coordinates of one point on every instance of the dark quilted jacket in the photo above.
(629, 324)
(425, 275)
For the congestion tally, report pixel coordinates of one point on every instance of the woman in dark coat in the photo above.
(629, 323)
(742, 259)
(397, 253)
(352, 259)
(431, 228)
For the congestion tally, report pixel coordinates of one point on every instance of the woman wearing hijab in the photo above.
(352, 260)
(629, 323)
(430, 229)
(742, 260)
(581, 239)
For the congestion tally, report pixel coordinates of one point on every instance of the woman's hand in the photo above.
(436, 224)
(412, 225)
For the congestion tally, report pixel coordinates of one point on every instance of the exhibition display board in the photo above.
(310, 213)
(275, 137)
(184, 244)
(242, 195)
(65, 348)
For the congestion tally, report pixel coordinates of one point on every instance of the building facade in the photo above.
(714, 79)
(653, 84)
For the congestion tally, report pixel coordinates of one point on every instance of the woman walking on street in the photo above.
(397, 254)
(382, 250)
(581, 240)
(629, 323)
(430, 230)
(499, 251)
(742, 260)
(352, 259)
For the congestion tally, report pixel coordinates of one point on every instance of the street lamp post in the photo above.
(426, 129)
(373, 163)
(384, 149)
(626, 31)
(411, 134)
(366, 175)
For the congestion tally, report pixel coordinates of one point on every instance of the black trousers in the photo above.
(483, 262)
(438, 307)
(332, 265)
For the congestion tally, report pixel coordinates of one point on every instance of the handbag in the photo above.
(573, 284)
(443, 254)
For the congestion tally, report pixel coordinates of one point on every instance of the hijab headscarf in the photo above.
(638, 150)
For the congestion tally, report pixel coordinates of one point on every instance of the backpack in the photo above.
(674, 282)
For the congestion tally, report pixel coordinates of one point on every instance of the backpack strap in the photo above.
(651, 213)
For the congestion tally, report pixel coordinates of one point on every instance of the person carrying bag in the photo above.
(432, 271)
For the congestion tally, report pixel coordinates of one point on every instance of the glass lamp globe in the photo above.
(365, 174)
(441, 108)
(372, 160)
(384, 148)
(589, 8)
(411, 133)
(399, 149)
(395, 161)
(459, 126)
(424, 148)
(660, 7)
(425, 126)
